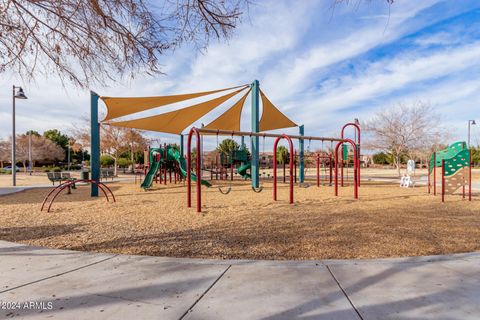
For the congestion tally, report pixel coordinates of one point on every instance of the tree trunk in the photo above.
(398, 165)
(24, 163)
(115, 166)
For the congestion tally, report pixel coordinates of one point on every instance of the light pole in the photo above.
(15, 95)
(470, 122)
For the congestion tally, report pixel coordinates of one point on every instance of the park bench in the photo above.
(107, 173)
(60, 177)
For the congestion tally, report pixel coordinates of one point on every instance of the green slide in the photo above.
(173, 153)
(147, 183)
(243, 171)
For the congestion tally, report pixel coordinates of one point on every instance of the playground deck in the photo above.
(388, 221)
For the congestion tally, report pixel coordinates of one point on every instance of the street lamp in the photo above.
(15, 95)
(470, 122)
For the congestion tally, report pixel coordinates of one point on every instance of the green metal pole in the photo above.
(94, 143)
(243, 143)
(302, 154)
(255, 139)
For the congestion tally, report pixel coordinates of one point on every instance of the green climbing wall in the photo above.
(456, 156)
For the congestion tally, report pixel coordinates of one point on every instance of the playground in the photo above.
(331, 208)
(387, 221)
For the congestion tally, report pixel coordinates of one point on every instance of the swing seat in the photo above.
(226, 191)
(257, 190)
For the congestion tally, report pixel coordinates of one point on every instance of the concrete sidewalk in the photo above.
(39, 283)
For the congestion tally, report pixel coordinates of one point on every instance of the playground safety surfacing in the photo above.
(387, 221)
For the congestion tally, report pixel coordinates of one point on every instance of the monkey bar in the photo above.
(199, 131)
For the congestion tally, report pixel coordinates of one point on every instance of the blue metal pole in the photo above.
(255, 128)
(302, 154)
(94, 143)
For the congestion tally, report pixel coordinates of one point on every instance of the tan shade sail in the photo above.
(118, 107)
(230, 120)
(175, 121)
(272, 118)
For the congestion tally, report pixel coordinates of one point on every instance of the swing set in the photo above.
(198, 132)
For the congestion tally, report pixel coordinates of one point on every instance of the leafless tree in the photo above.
(404, 130)
(5, 154)
(42, 149)
(113, 140)
(93, 41)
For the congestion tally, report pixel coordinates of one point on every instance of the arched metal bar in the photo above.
(197, 167)
(99, 184)
(284, 136)
(357, 141)
(51, 191)
(56, 191)
(355, 165)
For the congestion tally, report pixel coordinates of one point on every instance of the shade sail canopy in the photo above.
(272, 118)
(118, 107)
(176, 121)
(230, 120)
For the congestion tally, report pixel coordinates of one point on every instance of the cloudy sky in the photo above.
(321, 65)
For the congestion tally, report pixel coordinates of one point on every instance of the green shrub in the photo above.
(106, 160)
(124, 162)
(56, 169)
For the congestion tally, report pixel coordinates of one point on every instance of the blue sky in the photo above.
(321, 65)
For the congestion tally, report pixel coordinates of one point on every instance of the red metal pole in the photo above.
(331, 168)
(336, 167)
(428, 174)
(165, 163)
(355, 172)
(292, 160)
(199, 177)
(341, 168)
(443, 180)
(470, 176)
(284, 171)
(216, 167)
(355, 184)
(295, 166)
(435, 173)
(275, 169)
(231, 170)
(318, 170)
(189, 168)
(357, 127)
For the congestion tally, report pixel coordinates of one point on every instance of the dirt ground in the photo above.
(387, 221)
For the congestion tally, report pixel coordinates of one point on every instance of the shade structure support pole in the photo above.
(255, 139)
(94, 144)
(301, 173)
